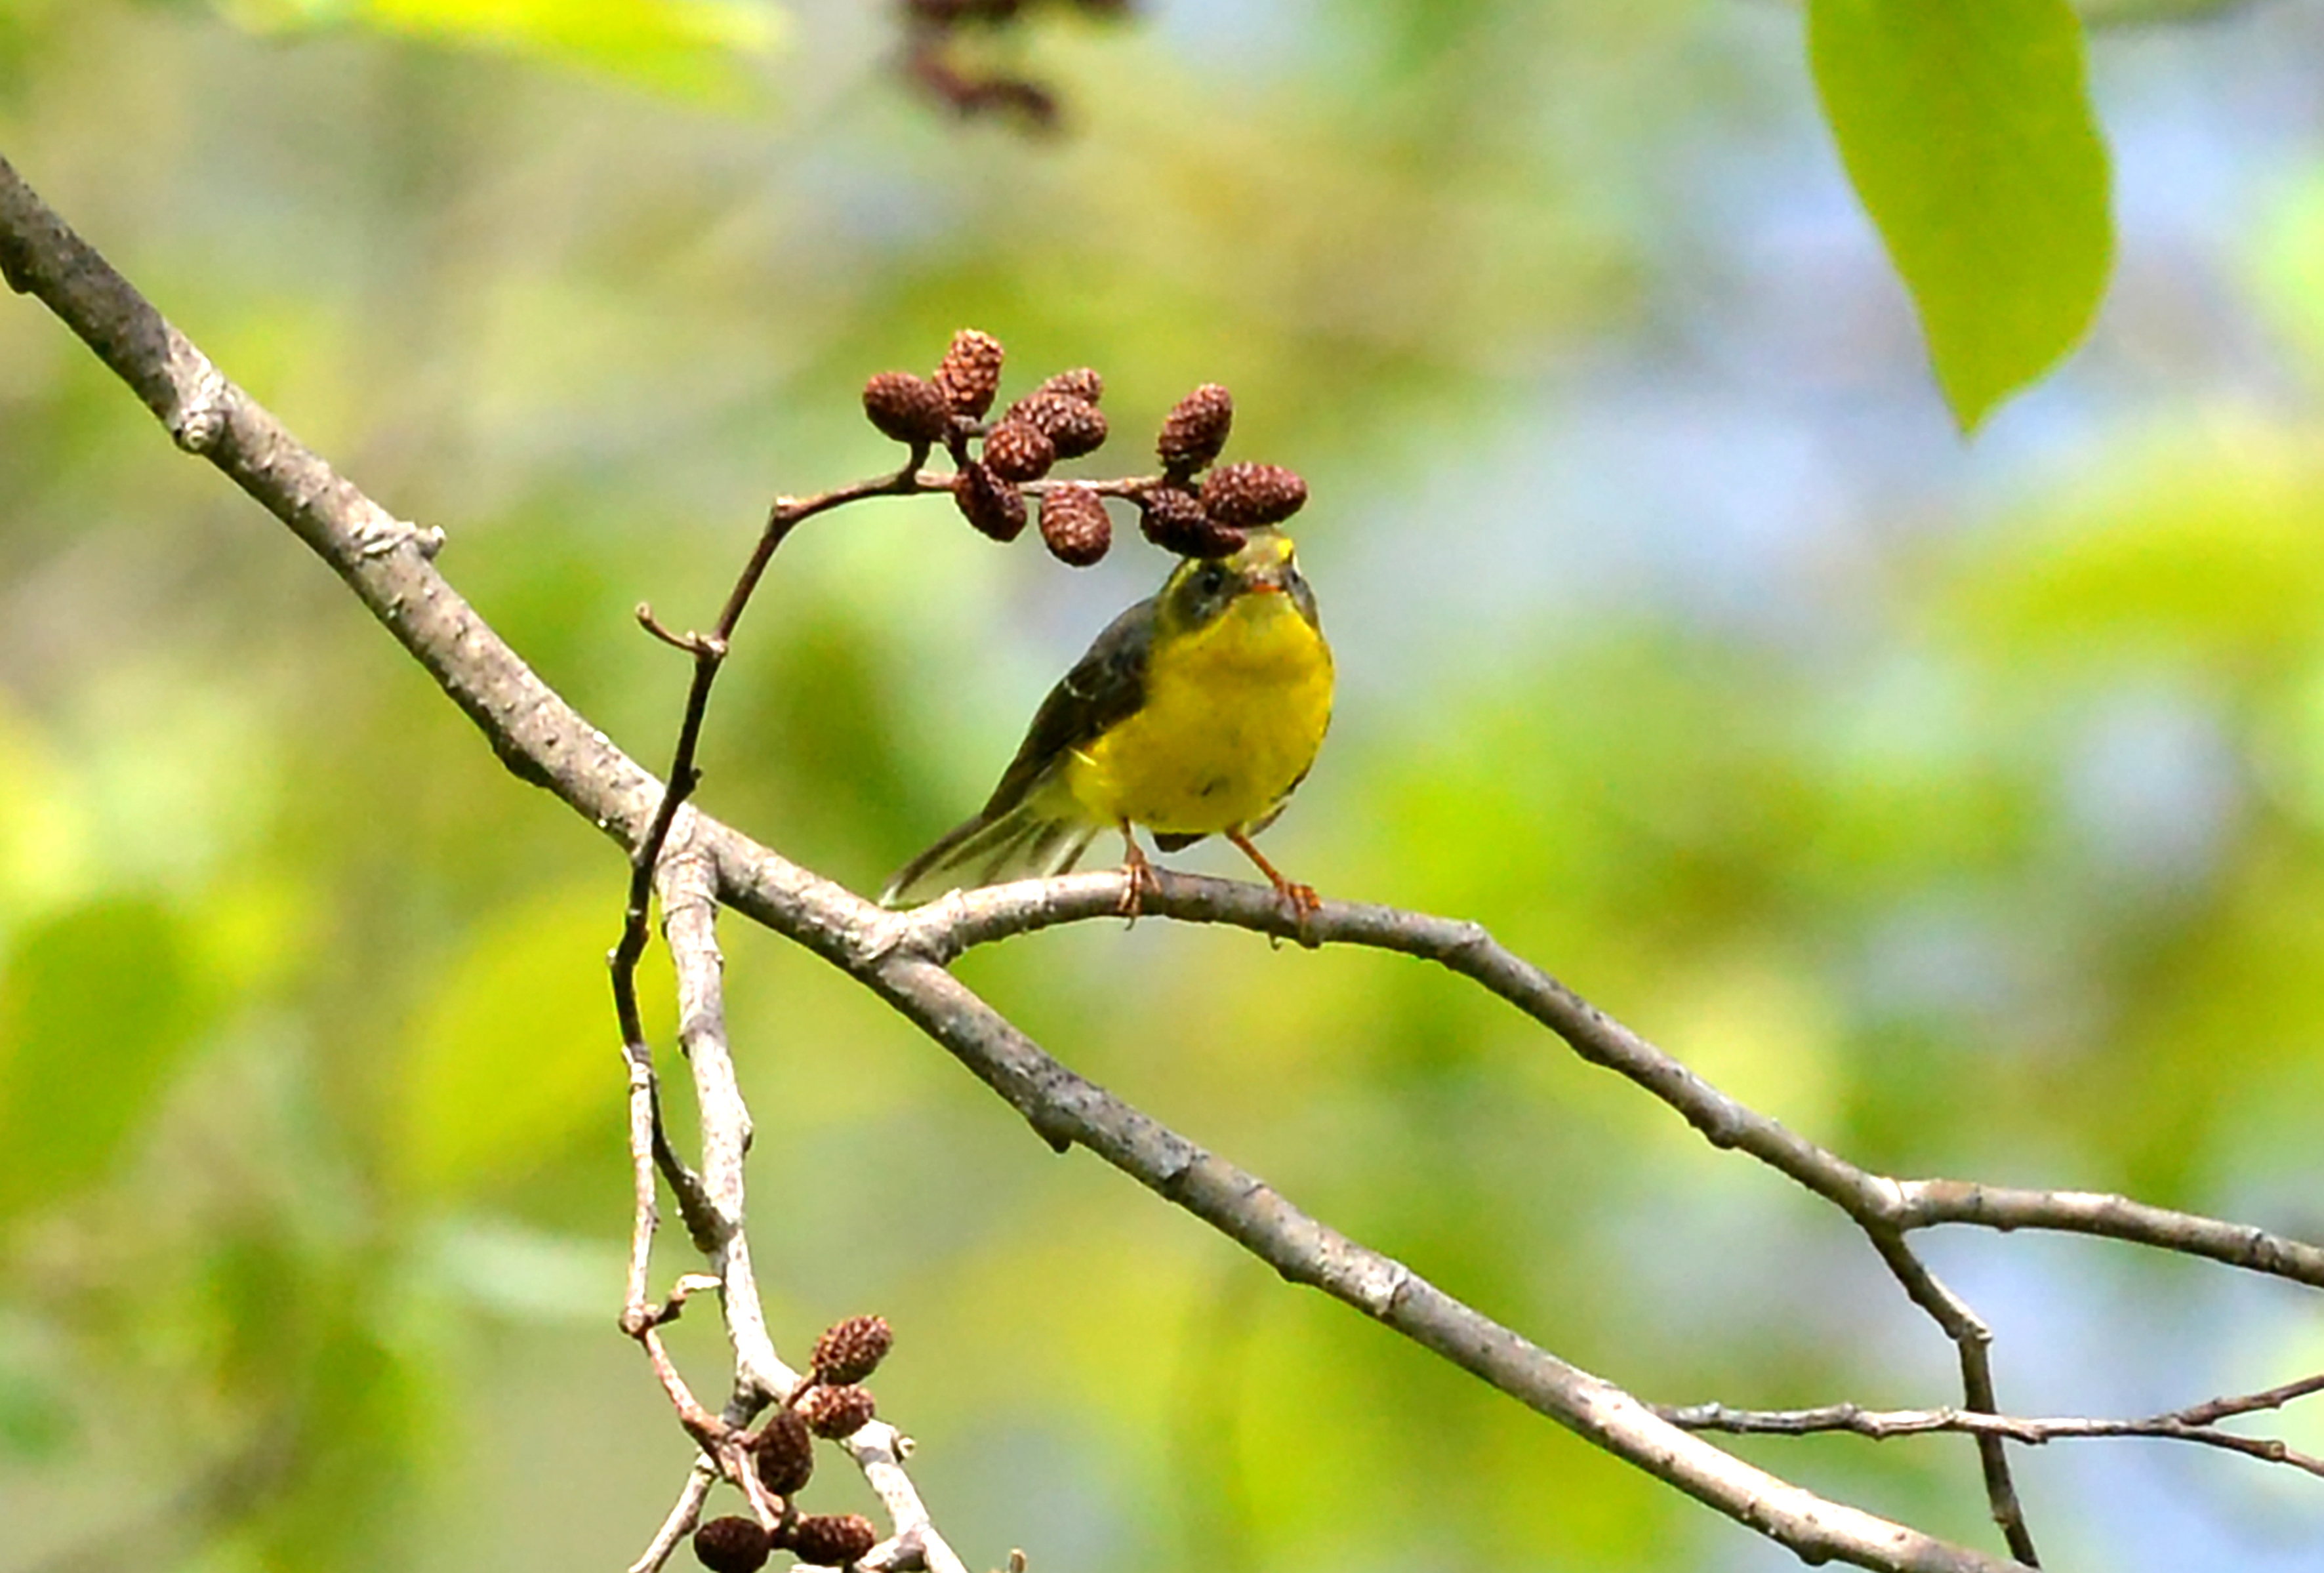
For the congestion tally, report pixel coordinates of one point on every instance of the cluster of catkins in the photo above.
(831, 1404)
(953, 13)
(1195, 507)
(934, 59)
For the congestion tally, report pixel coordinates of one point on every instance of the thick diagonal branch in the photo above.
(389, 565)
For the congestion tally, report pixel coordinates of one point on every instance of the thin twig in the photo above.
(709, 653)
(689, 918)
(689, 921)
(711, 1203)
(645, 1121)
(1972, 1341)
(702, 1426)
(2214, 1410)
(2195, 1423)
(684, 1515)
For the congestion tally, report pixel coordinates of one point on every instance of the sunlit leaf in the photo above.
(517, 1052)
(689, 49)
(1967, 128)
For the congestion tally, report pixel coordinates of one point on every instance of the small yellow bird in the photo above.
(1195, 713)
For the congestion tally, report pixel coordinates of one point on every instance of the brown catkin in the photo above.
(832, 1539)
(1173, 521)
(1018, 450)
(786, 1453)
(1247, 496)
(1074, 526)
(730, 1545)
(837, 1412)
(970, 373)
(1081, 382)
(989, 502)
(1073, 426)
(1196, 429)
(908, 407)
(850, 1350)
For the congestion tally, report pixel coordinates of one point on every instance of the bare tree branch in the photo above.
(2198, 1423)
(689, 911)
(904, 957)
(1972, 1342)
(948, 928)
(1066, 1108)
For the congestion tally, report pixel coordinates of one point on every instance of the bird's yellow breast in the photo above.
(1233, 713)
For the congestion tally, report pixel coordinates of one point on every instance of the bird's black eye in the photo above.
(1206, 590)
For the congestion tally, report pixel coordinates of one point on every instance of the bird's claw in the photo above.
(1138, 881)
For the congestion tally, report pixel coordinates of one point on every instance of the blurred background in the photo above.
(1961, 804)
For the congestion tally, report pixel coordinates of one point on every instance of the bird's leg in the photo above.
(1301, 900)
(1140, 872)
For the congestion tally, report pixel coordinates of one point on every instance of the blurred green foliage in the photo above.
(1961, 807)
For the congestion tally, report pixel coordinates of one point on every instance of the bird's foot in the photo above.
(1300, 902)
(1138, 881)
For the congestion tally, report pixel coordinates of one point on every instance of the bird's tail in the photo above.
(1035, 839)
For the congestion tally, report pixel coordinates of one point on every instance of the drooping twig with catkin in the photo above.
(998, 465)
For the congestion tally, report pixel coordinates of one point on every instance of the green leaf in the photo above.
(1967, 128)
(689, 49)
(517, 1056)
(95, 1008)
